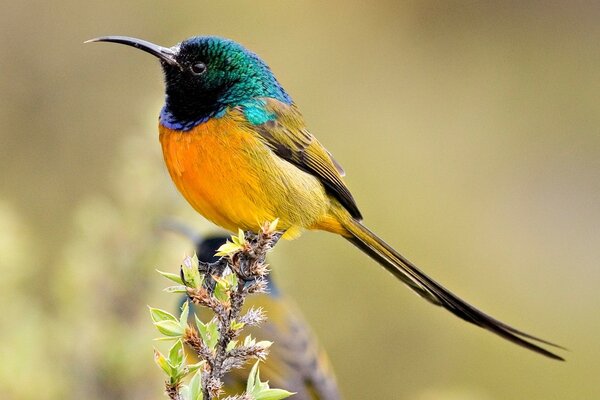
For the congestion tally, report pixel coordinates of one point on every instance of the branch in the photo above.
(222, 287)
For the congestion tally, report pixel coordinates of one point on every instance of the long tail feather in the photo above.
(426, 287)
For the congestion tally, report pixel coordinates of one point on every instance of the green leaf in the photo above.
(169, 328)
(184, 392)
(272, 226)
(174, 277)
(240, 239)
(191, 274)
(165, 339)
(159, 315)
(249, 341)
(213, 331)
(227, 249)
(261, 390)
(221, 291)
(177, 355)
(162, 362)
(253, 377)
(231, 279)
(265, 344)
(195, 387)
(183, 317)
(194, 367)
(195, 260)
(236, 325)
(273, 394)
(176, 289)
(201, 328)
(231, 345)
(208, 332)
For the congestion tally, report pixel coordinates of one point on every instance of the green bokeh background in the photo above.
(470, 133)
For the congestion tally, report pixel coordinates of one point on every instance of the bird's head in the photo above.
(206, 74)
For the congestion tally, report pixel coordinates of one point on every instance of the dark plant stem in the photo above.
(248, 264)
(172, 391)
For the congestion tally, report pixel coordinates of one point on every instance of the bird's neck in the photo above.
(183, 112)
(254, 110)
(185, 122)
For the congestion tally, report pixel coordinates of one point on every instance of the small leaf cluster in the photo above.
(229, 248)
(259, 390)
(174, 365)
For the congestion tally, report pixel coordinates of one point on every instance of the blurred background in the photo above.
(470, 134)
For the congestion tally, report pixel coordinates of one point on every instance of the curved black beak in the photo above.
(165, 54)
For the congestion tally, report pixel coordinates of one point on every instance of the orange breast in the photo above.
(229, 176)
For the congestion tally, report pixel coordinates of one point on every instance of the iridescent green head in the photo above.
(206, 74)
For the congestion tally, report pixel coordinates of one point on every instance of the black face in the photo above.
(200, 84)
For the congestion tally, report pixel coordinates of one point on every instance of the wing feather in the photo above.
(289, 139)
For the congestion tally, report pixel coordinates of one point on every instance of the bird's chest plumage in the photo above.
(228, 175)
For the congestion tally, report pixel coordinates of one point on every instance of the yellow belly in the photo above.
(235, 181)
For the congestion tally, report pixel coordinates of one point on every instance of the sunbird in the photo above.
(237, 148)
(296, 360)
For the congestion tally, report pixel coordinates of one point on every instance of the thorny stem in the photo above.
(251, 270)
(172, 391)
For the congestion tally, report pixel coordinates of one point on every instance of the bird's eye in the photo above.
(198, 68)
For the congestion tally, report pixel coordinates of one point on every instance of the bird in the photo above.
(237, 148)
(296, 361)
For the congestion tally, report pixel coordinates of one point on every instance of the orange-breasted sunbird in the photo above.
(237, 148)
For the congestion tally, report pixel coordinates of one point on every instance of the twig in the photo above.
(222, 287)
(247, 262)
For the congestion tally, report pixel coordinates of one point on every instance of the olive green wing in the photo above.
(286, 134)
